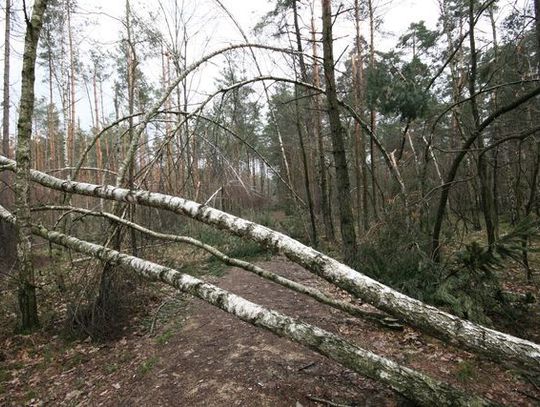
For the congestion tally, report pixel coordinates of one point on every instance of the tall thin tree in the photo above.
(299, 94)
(372, 113)
(27, 288)
(360, 150)
(5, 107)
(7, 241)
(337, 131)
(323, 178)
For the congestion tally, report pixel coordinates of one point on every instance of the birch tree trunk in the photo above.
(318, 295)
(412, 384)
(27, 290)
(448, 327)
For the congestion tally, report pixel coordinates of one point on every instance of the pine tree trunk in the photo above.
(537, 28)
(73, 98)
(372, 113)
(299, 94)
(5, 102)
(132, 63)
(323, 178)
(486, 196)
(534, 181)
(360, 148)
(348, 234)
(7, 231)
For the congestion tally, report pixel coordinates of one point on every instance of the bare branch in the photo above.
(321, 297)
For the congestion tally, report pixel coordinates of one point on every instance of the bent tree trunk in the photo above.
(432, 320)
(319, 296)
(412, 384)
(464, 149)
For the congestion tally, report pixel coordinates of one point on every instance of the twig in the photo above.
(212, 196)
(531, 381)
(529, 395)
(307, 366)
(156, 316)
(327, 402)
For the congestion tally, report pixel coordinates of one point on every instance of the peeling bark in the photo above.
(412, 384)
(432, 320)
(316, 294)
(26, 286)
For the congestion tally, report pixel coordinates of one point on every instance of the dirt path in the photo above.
(205, 357)
(218, 360)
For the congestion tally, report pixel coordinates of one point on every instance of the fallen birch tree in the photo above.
(429, 319)
(412, 384)
(345, 306)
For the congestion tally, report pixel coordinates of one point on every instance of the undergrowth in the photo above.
(467, 283)
(197, 262)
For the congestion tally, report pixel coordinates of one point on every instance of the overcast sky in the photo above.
(221, 31)
(396, 15)
(210, 29)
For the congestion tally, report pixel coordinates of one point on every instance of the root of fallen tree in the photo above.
(408, 382)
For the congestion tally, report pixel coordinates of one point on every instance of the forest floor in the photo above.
(192, 354)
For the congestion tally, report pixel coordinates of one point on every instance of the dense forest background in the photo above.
(411, 157)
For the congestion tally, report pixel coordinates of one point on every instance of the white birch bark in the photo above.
(26, 279)
(429, 319)
(316, 294)
(412, 384)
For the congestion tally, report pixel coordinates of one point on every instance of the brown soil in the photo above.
(205, 357)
